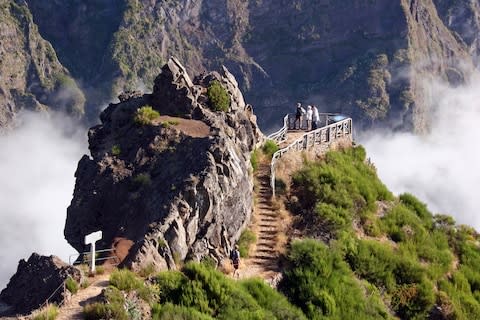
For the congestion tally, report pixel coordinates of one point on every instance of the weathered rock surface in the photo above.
(31, 77)
(36, 281)
(178, 188)
(368, 59)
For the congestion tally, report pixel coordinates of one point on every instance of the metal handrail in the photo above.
(281, 134)
(86, 253)
(324, 135)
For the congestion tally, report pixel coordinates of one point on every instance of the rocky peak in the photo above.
(36, 281)
(178, 187)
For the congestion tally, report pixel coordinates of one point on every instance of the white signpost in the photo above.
(91, 239)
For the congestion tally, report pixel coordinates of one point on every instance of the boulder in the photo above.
(36, 280)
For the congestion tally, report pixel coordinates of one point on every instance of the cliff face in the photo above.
(364, 58)
(31, 77)
(177, 187)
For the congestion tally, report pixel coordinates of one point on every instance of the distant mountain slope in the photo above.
(31, 77)
(365, 58)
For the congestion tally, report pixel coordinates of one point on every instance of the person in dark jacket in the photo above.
(235, 257)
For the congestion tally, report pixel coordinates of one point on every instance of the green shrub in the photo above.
(99, 310)
(170, 311)
(218, 96)
(269, 148)
(338, 189)
(145, 115)
(147, 270)
(100, 270)
(71, 285)
(254, 160)
(116, 150)
(209, 262)
(124, 279)
(247, 238)
(414, 300)
(418, 207)
(200, 292)
(272, 300)
(322, 285)
(48, 313)
(169, 284)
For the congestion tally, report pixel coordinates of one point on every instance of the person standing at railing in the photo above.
(316, 117)
(298, 116)
(309, 118)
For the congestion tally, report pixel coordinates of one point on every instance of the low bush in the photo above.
(269, 148)
(201, 291)
(323, 286)
(116, 150)
(71, 285)
(145, 115)
(48, 313)
(126, 280)
(254, 160)
(247, 238)
(218, 96)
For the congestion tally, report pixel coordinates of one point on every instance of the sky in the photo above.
(37, 165)
(441, 168)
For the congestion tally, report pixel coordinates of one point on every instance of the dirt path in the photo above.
(73, 309)
(264, 261)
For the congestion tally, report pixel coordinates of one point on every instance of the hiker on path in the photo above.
(316, 118)
(309, 118)
(235, 257)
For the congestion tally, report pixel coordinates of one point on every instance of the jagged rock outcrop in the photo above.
(368, 59)
(31, 77)
(179, 187)
(36, 281)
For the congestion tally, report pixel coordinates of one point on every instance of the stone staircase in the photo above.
(264, 262)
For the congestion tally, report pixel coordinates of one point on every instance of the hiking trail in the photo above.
(264, 259)
(73, 309)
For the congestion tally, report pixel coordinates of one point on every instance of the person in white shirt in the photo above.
(309, 118)
(316, 117)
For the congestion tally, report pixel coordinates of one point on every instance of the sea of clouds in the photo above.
(441, 168)
(37, 165)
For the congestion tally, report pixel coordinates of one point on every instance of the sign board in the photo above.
(91, 239)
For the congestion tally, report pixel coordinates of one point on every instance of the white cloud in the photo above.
(441, 168)
(37, 165)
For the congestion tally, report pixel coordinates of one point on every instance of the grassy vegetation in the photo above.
(114, 309)
(48, 313)
(247, 239)
(197, 292)
(339, 189)
(408, 256)
(254, 160)
(71, 285)
(145, 115)
(116, 150)
(382, 258)
(218, 96)
(269, 148)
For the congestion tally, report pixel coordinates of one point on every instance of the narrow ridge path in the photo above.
(264, 262)
(73, 309)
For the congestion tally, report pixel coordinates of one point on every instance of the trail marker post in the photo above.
(91, 239)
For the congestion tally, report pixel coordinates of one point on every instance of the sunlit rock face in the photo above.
(179, 187)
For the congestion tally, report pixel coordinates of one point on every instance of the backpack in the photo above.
(234, 255)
